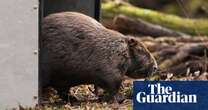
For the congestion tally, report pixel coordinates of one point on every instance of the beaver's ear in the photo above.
(132, 42)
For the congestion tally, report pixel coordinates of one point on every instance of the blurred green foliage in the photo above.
(193, 8)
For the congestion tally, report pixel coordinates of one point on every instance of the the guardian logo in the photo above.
(170, 95)
(164, 94)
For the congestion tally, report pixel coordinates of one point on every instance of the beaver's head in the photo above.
(142, 63)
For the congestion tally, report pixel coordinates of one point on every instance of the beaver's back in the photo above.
(72, 22)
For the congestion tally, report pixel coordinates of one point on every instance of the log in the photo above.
(196, 49)
(129, 25)
(164, 54)
(179, 55)
(185, 25)
(160, 43)
(193, 66)
(174, 40)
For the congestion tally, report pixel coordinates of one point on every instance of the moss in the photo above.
(190, 26)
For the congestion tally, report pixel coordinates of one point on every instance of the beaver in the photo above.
(76, 49)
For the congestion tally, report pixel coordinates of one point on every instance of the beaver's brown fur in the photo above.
(76, 49)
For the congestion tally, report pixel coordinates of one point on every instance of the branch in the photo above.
(126, 24)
